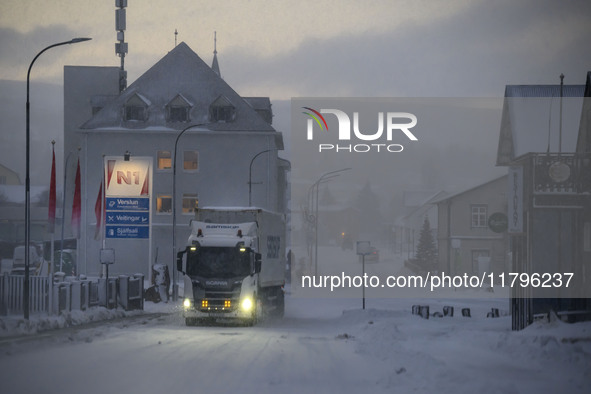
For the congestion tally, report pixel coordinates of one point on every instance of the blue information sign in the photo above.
(128, 231)
(127, 217)
(128, 204)
(131, 218)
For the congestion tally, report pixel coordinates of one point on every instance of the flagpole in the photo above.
(64, 209)
(76, 211)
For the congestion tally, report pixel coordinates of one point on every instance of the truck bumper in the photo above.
(236, 314)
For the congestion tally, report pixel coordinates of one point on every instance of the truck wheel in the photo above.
(257, 313)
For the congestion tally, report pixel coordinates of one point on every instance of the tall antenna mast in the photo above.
(121, 46)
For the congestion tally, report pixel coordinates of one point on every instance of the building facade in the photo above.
(466, 242)
(545, 143)
(215, 158)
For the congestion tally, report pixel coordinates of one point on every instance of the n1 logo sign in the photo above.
(127, 178)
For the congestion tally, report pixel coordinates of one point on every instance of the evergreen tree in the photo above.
(426, 255)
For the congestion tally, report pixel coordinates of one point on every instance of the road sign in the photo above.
(363, 248)
(129, 218)
(498, 222)
(128, 232)
(128, 204)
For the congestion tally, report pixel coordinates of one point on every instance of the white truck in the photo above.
(233, 266)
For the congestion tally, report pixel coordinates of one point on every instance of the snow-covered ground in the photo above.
(327, 345)
(323, 345)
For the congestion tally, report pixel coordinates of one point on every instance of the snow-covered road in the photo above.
(324, 346)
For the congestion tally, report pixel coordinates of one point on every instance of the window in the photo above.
(164, 160)
(177, 110)
(222, 114)
(190, 160)
(190, 203)
(136, 108)
(135, 112)
(164, 204)
(480, 261)
(178, 114)
(479, 215)
(221, 110)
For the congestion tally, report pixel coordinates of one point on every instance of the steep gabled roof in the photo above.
(531, 120)
(182, 72)
(454, 195)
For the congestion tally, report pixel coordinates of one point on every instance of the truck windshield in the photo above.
(218, 262)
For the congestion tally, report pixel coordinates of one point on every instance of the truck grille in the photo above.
(219, 300)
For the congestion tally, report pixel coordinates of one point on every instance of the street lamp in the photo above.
(310, 215)
(28, 180)
(174, 273)
(324, 176)
(250, 175)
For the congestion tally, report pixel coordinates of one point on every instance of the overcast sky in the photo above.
(320, 48)
(317, 48)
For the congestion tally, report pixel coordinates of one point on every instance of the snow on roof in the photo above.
(450, 196)
(180, 72)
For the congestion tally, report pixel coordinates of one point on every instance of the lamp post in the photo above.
(174, 273)
(317, 183)
(310, 215)
(28, 180)
(250, 175)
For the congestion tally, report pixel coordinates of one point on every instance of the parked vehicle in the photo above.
(373, 256)
(233, 266)
(18, 260)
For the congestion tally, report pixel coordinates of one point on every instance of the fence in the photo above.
(11, 293)
(70, 293)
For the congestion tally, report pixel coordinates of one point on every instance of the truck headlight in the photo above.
(247, 304)
(187, 303)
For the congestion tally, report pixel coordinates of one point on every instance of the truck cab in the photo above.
(221, 266)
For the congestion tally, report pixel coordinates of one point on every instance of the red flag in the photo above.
(52, 196)
(76, 205)
(98, 210)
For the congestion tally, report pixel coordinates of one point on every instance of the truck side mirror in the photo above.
(179, 261)
(257, 262)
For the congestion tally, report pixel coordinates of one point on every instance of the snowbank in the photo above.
(16, 325)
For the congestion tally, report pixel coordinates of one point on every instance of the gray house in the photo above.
(215, 158)
(466, 242)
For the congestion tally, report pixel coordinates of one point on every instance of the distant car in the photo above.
(373, 256)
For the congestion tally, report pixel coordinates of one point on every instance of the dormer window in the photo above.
(222, 110)
(136, 108)
(178, 109)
